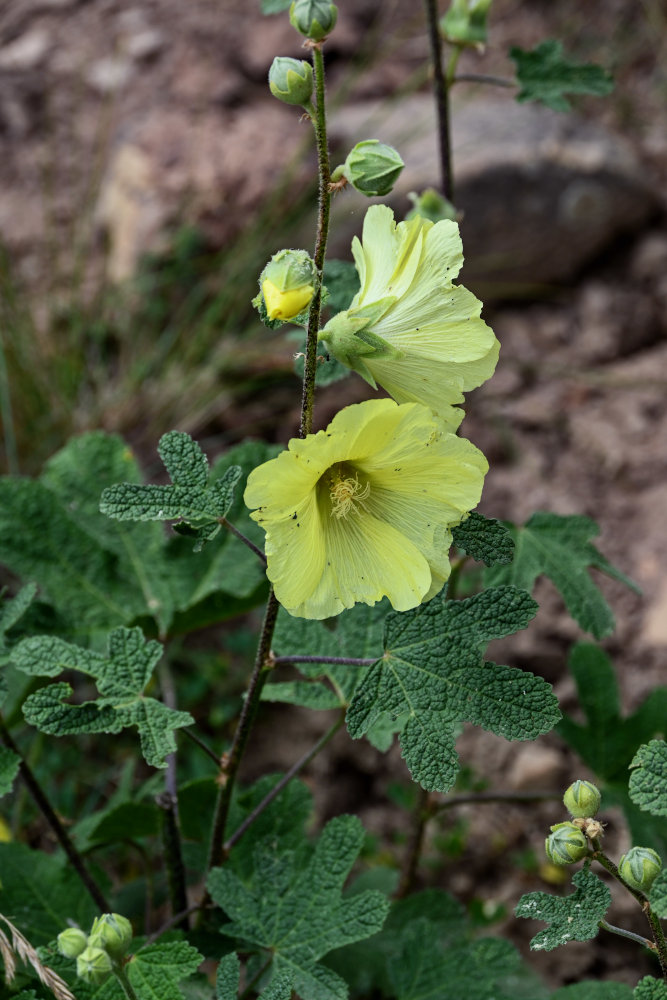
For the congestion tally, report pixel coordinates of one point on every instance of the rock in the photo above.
(541, 194)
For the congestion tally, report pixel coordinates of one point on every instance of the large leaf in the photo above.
(121, 678)
(570, 918)
(560, 547)
(433, 675)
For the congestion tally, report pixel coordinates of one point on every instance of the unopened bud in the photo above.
(465, 22)
(313, 18)
(291, 80)
(371, 167)
(93, 965)
(566, 844)
(582, 798)
(112, 932)
(431, 205)
(640, 867)
(287, 285)
(71, 942)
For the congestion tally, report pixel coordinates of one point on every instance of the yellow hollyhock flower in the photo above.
(364, 509)
(409, 328)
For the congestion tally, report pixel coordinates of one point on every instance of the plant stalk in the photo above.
(173, 857)
(441, 94)
(51, 818)
(422, 814)
(121, 976)
(345, 661)
(630, 935)
(243, 538)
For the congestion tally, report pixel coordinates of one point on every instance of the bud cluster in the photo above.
(99, 951)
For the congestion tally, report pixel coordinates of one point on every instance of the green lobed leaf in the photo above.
(559, 547)
(649, 988)
(293, 910)
(155, 972)
(485, 539)
(9, 768)
(121, 678)
(183, 459)
(545, 75)
(433, 657)
(658, 895)
(40, 894)
(571, 918)
(648, 781)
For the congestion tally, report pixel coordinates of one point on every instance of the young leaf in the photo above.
(485, 539)
(155, 972)
(121, 677)
(190, 497)
(545, 75)
(559, 546)
(658, 894)
(649, 988)
(433, 657)
(571, 918)
(648, 781)
(9, 768)
(292, 910)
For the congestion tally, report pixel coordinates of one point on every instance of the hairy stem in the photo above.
(286, 778)
(51, 818)
(231, 766)
(324, 206)
(246, 541)
(441, 94)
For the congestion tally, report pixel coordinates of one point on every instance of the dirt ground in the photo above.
(575, 420)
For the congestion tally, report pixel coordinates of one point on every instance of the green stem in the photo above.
(493, 81)
(324, 207)
(119, 973)
(345, 661)
(51, 818)
(286, 778)
(230, 769)
(441, 94)
(630, 935)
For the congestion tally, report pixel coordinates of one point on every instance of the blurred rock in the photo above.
(541, 194)
(536, 768)
(27, 52)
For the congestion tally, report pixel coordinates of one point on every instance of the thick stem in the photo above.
(441, 94)
(277, 789)
(58, 829)
(230, 769)
(324, 206)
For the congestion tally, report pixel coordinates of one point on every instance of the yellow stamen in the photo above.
(346, 494)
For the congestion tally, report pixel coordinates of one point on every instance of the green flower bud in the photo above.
(465, 22)
(291, 80)
(287, 285)
(313, 18)
(582, 799)
(371, 167)
(566, 844)
(93, 965)
(640, 867)
(112, 932)
(431, 205)
(71, 942)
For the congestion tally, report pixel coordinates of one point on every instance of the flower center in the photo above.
(347, 494)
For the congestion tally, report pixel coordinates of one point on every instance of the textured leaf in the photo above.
(648, 781)
(560, 547)
(9, 768)
(121, 678)
(545, 75)
(485, 539)
(649, 988)
(658, 894)
(227, 977)
(571, 918)
(156, 971)
(433, 657)
(342, 281)
(293, 909)
(39, 893)
(12, 610)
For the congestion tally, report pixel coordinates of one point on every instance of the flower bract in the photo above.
(364, 509)
(409, 328)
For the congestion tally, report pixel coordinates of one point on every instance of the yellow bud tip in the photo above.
(285, 305)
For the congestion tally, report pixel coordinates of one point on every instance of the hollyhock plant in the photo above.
(409, 328)
(364, 509)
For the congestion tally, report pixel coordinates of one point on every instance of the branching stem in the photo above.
(51, 818)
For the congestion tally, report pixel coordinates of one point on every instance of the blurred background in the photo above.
(147, 175)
